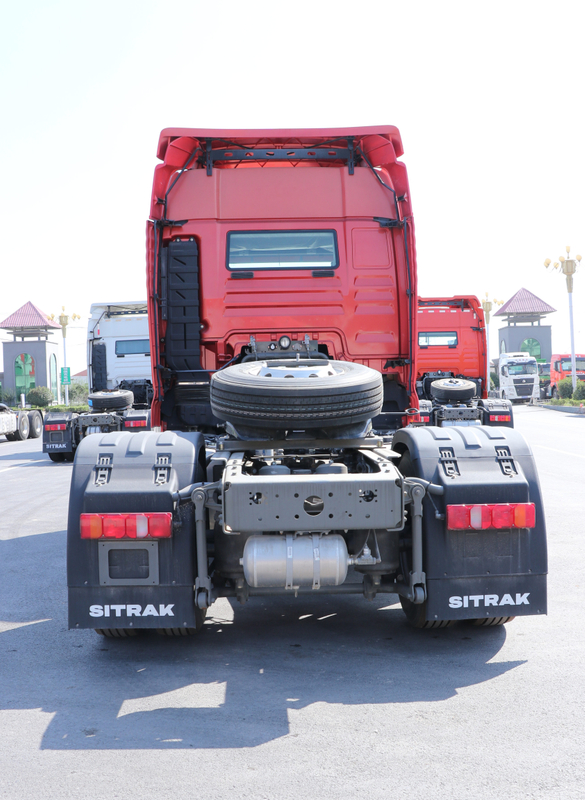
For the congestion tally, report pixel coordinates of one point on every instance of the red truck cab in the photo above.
(451, 342)
(560, 367)
(311, 229)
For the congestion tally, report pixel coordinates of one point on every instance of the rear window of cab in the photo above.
(264, 250)
(437, 339)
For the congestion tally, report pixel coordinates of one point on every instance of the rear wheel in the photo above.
(58, 458)
(116, 633)
(490, 622)
(36, 424)
(200, 614)
(23, 428)
(176, 631)
(416, 616)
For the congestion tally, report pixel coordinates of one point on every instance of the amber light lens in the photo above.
(126, 526)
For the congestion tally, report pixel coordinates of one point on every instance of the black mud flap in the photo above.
(141, 583)
(485, 573)
(132, 607)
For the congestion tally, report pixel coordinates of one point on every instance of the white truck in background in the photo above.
(518, 376)
(119, 378)
(118, 350)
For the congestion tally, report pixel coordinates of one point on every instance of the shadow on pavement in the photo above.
(230, 686)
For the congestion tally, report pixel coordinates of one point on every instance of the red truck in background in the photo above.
(451, 342)
(282, 292)
(560, 367)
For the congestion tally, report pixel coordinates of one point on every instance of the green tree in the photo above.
(78, 393)
(8, 397)
(565, 388)
(40, 396)
(579, 393)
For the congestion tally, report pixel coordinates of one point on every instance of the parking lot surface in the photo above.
(314, 697)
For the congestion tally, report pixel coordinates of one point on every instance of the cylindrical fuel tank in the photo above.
(286, 561)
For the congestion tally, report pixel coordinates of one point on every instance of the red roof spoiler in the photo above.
(297, 136)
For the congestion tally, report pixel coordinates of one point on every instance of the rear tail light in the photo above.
(500, 417)
(483, 516)
(56, 427)
(135, 423)
(126, 526)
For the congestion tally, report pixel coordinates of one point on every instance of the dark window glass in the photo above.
(256, 250)
(132, 347)
(522, 369)
(579, 364)
(437, 339)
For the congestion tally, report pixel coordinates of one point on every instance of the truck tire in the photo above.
(416, 616)
(21, 433)
(114, 401)
(99, 368)
(58, 458)
(489, 622)
(35, 423)
(116, 633)
(454, 389)
(301, 394)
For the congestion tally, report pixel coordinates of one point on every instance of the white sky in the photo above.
(488, 98)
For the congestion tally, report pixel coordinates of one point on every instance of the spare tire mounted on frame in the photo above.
(301, 395)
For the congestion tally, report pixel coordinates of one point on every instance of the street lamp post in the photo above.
(568, 267)
(63, 322)
(487, 306)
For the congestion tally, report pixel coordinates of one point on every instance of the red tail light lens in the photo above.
(135, 423)
(500, 417)
(126, 526)
(56, 427)
(484, 516)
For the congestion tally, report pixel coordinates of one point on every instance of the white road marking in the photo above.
(24, 463)
(562, 452)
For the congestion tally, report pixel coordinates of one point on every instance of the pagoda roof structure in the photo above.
(524, 303)
(29, 320)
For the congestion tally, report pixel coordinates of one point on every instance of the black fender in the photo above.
(478, 465)
(125, 472)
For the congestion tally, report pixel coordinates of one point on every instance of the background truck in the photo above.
(119, 377)
(282, 292)
(518, 377)
(452, 345)
(21, 424)
(560, 367)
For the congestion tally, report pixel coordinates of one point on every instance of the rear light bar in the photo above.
(135, 423)
(498, 516)
(126, 526)
(500, 417)
(61, 426)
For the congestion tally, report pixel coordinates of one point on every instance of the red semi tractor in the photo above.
(282, 291)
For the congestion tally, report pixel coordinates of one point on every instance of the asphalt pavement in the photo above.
(314, 697)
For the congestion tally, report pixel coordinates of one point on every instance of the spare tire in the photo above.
(110, 401)
(454, 389)
(286, 394)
